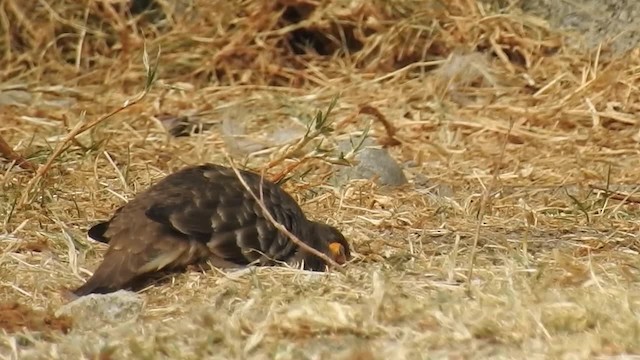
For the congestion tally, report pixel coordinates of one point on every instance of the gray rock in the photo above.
(15, 97)
(373, 163)
(592, 21)
(103, 309)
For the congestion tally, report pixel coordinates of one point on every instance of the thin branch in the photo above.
(81, 127)
(320, 125)
(7, 151)
(279, 226)
(617, 195)
(485, 203)
(388, 126)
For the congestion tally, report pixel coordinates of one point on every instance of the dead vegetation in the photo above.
(17, 317)
(519, 149)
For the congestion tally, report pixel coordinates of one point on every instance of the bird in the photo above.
(205, 213)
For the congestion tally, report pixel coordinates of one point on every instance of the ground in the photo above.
(612, 21)
(515, 236)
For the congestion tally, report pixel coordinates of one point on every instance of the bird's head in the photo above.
(334, 243)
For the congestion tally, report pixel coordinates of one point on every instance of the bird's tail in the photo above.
(122, 266)
(111, 275)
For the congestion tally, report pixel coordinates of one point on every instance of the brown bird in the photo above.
(205, 213)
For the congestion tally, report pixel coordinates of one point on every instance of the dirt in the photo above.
(499, 249)
(614, 21)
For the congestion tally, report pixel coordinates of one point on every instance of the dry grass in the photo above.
(556, 266)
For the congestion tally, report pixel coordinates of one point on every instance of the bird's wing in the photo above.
(137, 246)
(214, 207)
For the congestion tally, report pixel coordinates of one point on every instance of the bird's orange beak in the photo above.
(337, 253)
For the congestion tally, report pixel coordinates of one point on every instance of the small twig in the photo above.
(617, 195)
(388, 126)
(7, 151)
(342, 159)
(579, 204)
(287, 170)
(82, 127)
(484, 204)
(279, 226)
(318, 126)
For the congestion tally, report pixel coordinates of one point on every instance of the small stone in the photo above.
(99, 309)
(373, 163)
(15, 97)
